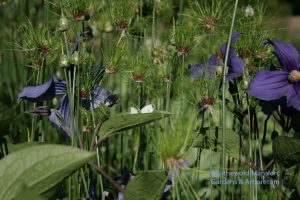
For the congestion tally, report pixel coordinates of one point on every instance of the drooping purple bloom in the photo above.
(270, 85)
(52, 88)
(235, 64)
(98, 95)
(60, 116)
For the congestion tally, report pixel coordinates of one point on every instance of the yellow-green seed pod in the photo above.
(75, 58)
(64, 61)
(244, 84)
(63, 24)
(108, 27)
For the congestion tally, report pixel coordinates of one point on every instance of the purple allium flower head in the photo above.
(235, 64)
(270, 85)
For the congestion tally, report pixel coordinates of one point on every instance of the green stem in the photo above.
(224, 97)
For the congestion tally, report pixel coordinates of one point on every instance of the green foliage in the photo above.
(146, 185)
(39, 168)
(213, 140)
(122, 122)
(286, 151)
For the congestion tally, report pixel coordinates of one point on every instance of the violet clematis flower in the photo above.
(50, 89)
(270, 85)
(214, 65)
(60, 116)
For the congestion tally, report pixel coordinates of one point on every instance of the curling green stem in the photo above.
(224, 97)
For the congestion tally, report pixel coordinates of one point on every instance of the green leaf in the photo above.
(286, 151)
(292, 177)
(39, 168)
(16, 147)
(214, 141)
(27, 194)
(147, 185)
(127, 121)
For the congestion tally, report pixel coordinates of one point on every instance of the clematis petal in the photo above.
(293, 97)
(234, 38)
(196, 70)
(99, 96)
(46, 91)
(61, 117)
(75, 47)
(111, 100)
(235, 67)
(214, 60)
(286, 54)
(41, 111)
(270, 85)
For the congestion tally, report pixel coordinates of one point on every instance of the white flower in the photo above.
(249, 12)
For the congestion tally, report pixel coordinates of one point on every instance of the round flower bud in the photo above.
(244, 84)
(75, 58)
(249, 12)
(63, 24)
(108, 27)
(64, 61)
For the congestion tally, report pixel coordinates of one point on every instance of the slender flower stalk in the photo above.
(224, 72)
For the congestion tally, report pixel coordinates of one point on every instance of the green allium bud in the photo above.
(64, 61)
(63, 24)
(108, 27)
(75, 58)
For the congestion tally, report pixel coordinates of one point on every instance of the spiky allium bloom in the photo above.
(176, 162)
(110, 70)
(44, 49)
(235, 63)
(138, 78)
(210, 23)
(122, 25)
(270, 85)
(206, 102)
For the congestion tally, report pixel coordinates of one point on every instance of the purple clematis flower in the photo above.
(60, 116)
(270, 85)
(50, 89)
(235, 64)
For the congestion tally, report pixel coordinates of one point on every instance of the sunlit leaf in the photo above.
(39, 168)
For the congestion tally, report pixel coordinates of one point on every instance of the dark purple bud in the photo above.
(111, 100)
(42, 111)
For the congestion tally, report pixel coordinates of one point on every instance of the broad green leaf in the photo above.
(16, 147)
(127, 121)
(147, 185)
(39, 168)
(27, 194)
(286, 151)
